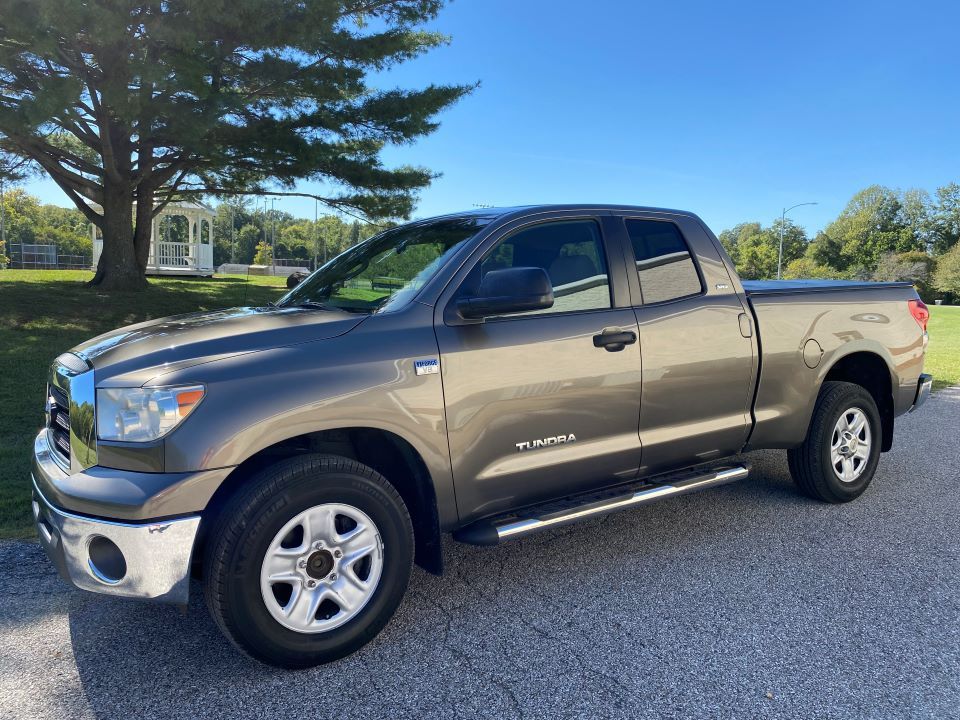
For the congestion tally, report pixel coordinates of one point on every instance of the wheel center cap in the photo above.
(319, 564)
(850, 443)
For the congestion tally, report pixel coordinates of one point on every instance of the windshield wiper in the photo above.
(316, 304)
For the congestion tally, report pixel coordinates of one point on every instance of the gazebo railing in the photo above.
(171, 254)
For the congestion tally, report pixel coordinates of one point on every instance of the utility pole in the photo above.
(783, 220)
(265, 219)
(273, 235)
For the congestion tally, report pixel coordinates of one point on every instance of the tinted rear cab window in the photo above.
(665, 265)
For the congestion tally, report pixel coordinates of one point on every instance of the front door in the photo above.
(536, 407)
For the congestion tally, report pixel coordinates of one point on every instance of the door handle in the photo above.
(615, 340)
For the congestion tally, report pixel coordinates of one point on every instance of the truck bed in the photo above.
(805, 326)
(797, 287)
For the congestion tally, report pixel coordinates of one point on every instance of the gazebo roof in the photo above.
(176, 207)
(189, 205)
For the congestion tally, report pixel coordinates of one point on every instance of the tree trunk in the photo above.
(143, 228)
(119, 268)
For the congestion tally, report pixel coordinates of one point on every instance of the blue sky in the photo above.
(732, 110)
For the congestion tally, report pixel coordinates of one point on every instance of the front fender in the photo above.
(365, 379)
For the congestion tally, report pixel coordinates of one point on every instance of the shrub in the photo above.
(915, 266)
(807, 267)
(946, 278)
(263, 254)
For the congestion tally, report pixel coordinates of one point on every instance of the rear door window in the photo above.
(665, 265)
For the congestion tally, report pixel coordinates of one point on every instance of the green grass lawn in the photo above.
(44, 313)
(943, 352)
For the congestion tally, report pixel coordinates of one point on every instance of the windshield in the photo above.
(386, 271)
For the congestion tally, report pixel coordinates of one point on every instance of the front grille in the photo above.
(60, 421)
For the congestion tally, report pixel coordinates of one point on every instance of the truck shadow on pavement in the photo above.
(133, 656)
(700, 605)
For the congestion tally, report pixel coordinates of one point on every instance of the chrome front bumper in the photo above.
(924, 386)
(149, 560)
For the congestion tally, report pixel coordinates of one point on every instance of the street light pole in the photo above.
(783, 220)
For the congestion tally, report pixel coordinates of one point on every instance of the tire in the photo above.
(327, 493)
(811, 464)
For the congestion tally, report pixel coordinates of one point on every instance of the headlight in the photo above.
(143, 414)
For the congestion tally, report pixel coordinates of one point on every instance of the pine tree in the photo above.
(128, 105)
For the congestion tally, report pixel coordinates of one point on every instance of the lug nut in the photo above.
(338, 553)
(333, 576)
(317, 545)
(301, 563)
(311, 583)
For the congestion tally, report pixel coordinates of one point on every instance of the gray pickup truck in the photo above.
(487, 374)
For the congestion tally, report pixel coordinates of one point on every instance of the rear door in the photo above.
(535, 409)
(699, 356)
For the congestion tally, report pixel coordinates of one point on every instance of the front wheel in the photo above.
(309, 561)
(839, 458)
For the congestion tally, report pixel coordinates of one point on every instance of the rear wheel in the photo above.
(309, 561)
(839, 458)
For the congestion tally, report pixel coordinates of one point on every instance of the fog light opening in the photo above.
(43, 525)
(106, 561)
(46, 531)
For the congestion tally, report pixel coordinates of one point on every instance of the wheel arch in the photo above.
(871, 371)
(388, 453)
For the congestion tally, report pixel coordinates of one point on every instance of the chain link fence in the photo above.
(24, 256)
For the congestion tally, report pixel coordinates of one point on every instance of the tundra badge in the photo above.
(556, 440)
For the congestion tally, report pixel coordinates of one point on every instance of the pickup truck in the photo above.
(524, 368)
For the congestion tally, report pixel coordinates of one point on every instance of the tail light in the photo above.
(920, 313)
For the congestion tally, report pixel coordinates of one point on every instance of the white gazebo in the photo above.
(194, 256)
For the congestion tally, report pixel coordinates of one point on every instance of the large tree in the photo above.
(945, 218)
(755, 250)
(916, 266)
(128, 105)
(877, 221)
(13, 169)
(947, 275)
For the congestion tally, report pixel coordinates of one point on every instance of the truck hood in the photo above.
(156, 347)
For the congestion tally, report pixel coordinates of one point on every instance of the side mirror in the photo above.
(512, 290)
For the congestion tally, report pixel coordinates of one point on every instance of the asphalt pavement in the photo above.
(745, 601)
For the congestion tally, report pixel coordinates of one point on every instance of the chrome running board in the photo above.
(492, 531)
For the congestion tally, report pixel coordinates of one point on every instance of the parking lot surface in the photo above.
(746, 601)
